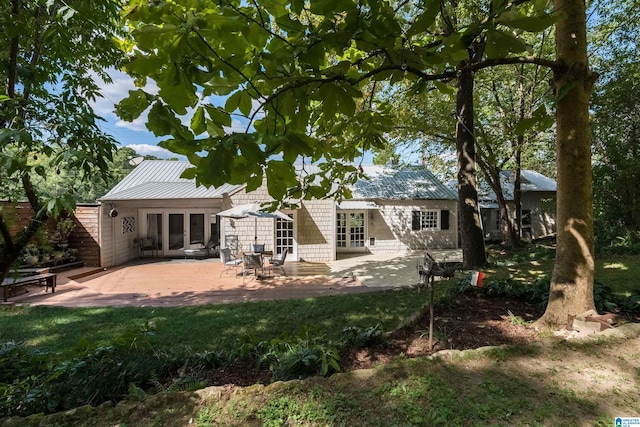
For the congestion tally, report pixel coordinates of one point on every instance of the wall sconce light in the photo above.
(113, 212)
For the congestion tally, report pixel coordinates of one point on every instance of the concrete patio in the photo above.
(172, 282)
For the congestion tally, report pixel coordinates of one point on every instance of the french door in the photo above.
(174, 231)
(350, 232)
(285, 239)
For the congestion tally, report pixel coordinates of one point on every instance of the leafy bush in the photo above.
(536, 293)
(356, 337)
(617, 241)
(30, 382)
(23, 380)
(292, 357)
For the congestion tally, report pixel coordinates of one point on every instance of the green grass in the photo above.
(209, 327)
(526, 265)
(471, 391)
(620, 272)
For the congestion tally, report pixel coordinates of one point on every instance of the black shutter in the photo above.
(444, 220)
(415, 220)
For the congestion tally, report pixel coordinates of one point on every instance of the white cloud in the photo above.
(138, 125)
(154, 150)
(114, 93)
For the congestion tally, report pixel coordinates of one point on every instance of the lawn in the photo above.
(500, 387)
(208, 327)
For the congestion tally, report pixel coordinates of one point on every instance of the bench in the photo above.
(10, 284)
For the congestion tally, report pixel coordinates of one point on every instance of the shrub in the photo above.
(30, 382)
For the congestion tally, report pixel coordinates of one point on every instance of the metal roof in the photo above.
(160, 179)
(401, 183)
(530, 182)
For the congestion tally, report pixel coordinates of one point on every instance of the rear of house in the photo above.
(394, 211)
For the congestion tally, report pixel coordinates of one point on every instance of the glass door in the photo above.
(196, 229)
(176, 232)
(285, 238)
(154, 230)
(356, 230)
(173, 231)
(350, 232)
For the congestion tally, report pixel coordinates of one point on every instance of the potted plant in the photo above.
(31, 255)
(62, 232)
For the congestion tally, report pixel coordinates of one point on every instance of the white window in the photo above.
(425, 220)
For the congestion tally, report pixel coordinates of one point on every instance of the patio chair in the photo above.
(278, 263)
(252, 262)
(257, 247)
(229, 261)
(147, 244)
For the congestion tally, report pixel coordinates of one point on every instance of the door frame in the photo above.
(348, 248)
(165, 251)
(293, 254)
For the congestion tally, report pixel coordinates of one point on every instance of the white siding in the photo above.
(390, 226)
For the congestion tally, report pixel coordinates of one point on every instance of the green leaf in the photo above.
(132, 106)
(250, 150)
(532, 24)
(444, 88)
(254, 182)
(233, 102)
(246, 103)
(280, 176)
(148, 35)
(163, 122)
(500, 44)
(539, 121)
(330, 7)
(297, 6)
(176, 89)
(218, 115)
(198, 123)
(214, 130)
(295, 145)
(144, 65)
(425, 20)
(221, 86)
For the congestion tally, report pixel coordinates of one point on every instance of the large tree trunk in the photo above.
(572, 280)
(473, 250)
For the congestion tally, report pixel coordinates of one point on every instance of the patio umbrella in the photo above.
(252, 210)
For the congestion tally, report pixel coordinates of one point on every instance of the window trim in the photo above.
(421, 214)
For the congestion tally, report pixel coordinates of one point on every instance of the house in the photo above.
(393, 211)
(538, 204)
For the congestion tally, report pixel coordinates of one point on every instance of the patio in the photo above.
(170, 282)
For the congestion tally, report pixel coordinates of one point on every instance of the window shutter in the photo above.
(415, 220)
(444, 220)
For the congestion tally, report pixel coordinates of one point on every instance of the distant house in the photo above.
(395, 210)
(538, 204)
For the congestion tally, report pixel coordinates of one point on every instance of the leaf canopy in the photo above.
(298, 77)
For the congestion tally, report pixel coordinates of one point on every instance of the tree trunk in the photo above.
(517, 194)
(572, 280)
(473, 250)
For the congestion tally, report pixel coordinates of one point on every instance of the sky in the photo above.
(132, 134)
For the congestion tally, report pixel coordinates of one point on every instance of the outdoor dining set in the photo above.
(257, 261)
